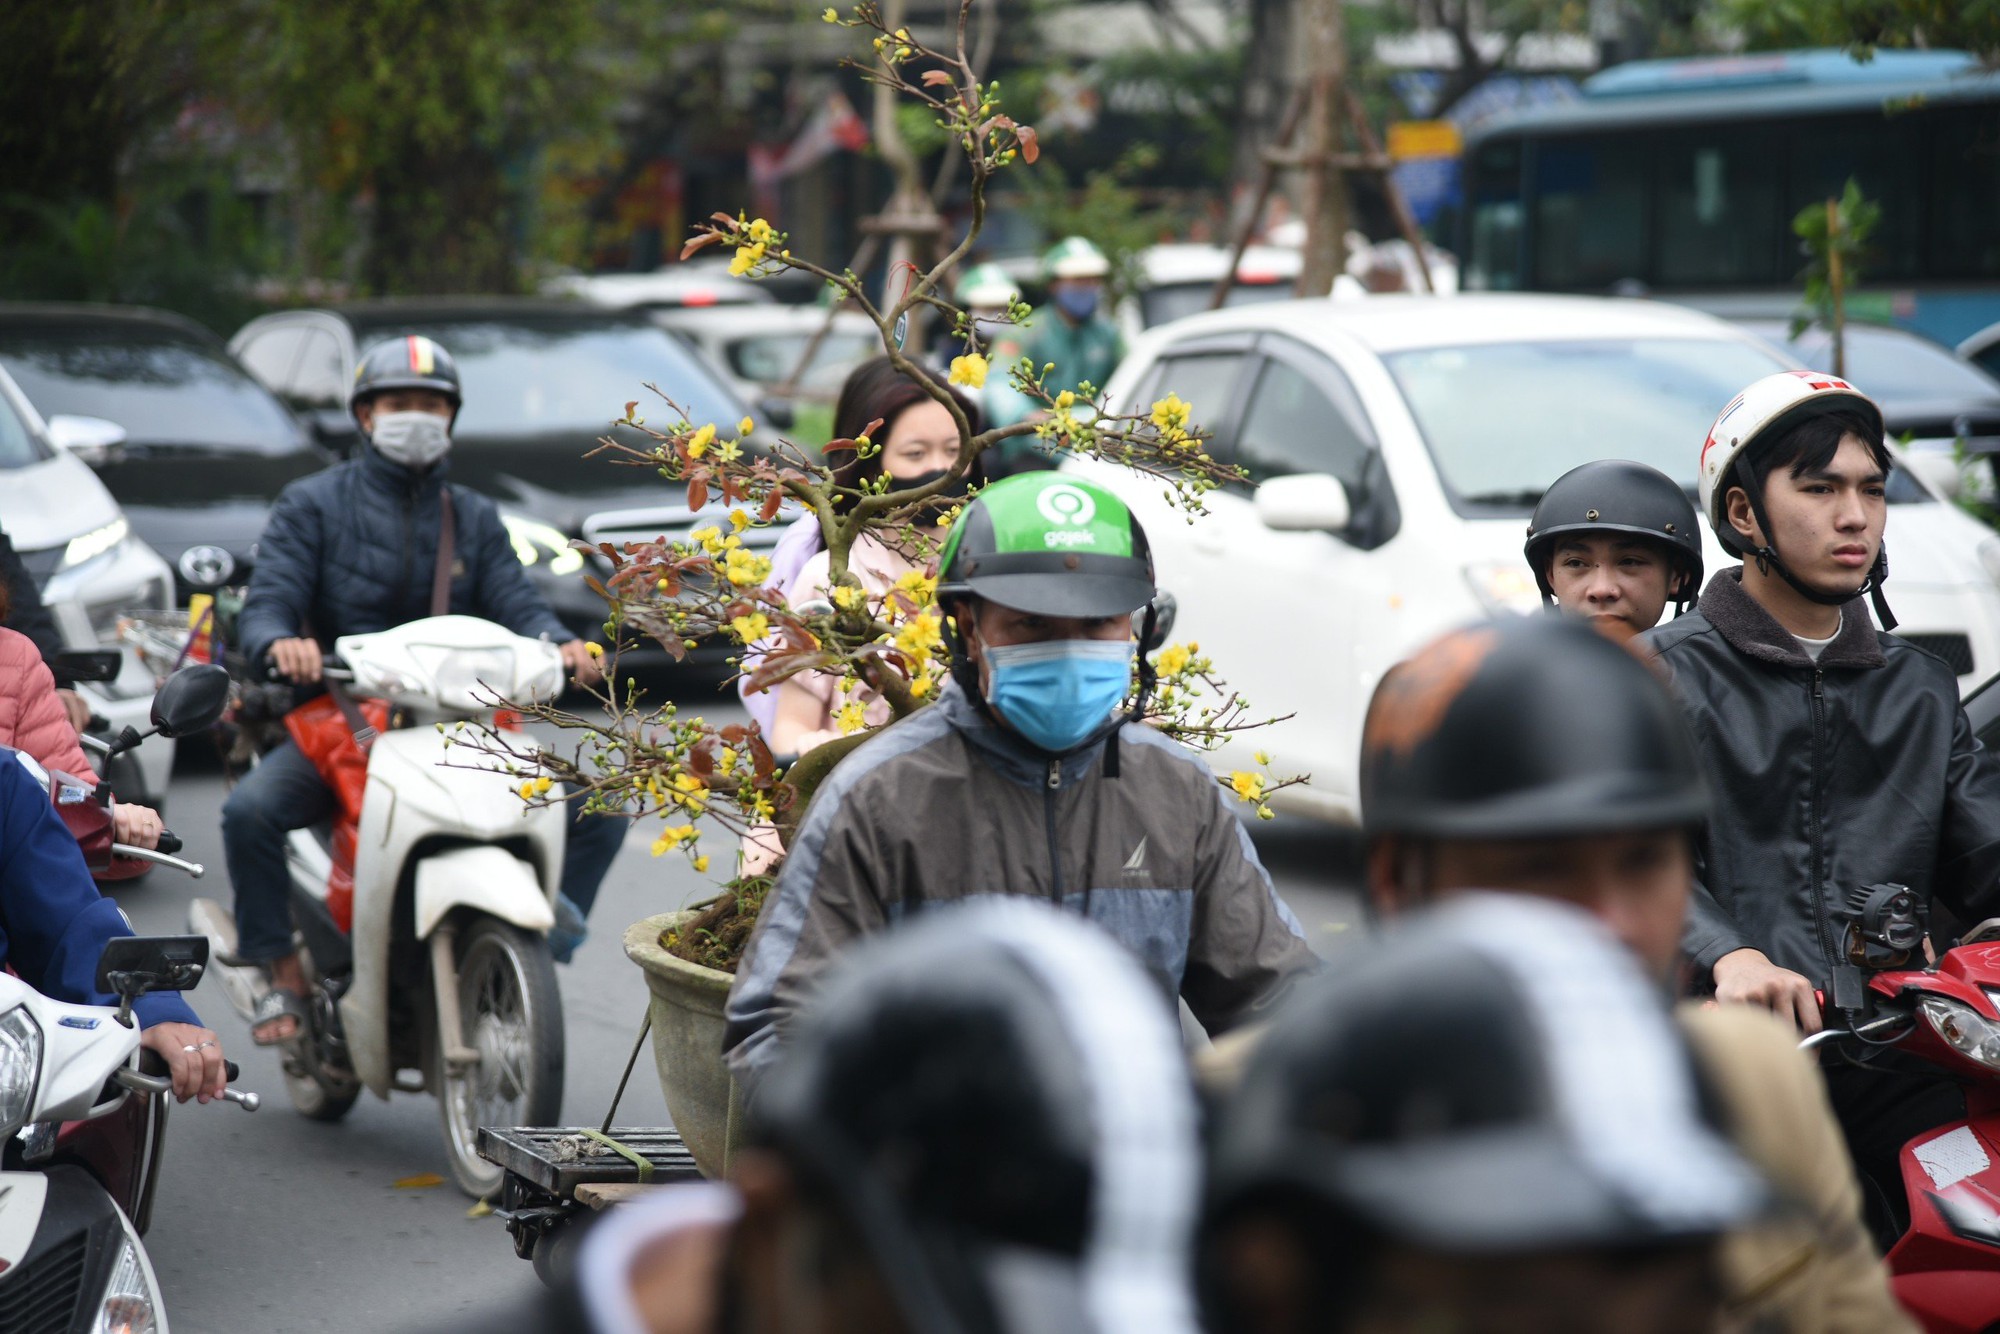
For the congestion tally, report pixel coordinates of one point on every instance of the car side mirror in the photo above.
(192, 700)
(91, 439)
(1307, 502)
(782, 413)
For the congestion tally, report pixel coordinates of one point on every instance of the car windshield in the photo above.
(1504, 420)
(529, 378)
(769, 358)
(1171, 301)
(163, 386)
(1890, 363)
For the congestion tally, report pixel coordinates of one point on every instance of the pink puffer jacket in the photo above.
(31, 717)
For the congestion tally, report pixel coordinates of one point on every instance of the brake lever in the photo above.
(194, 869)
(144, 1083)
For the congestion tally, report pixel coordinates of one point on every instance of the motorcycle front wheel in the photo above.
(511, 1014)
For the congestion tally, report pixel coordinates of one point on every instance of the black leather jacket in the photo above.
(1858, 770)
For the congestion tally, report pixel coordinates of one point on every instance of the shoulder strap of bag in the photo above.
(447, 539)
(357, 721)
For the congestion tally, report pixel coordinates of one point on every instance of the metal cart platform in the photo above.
(557, 1176)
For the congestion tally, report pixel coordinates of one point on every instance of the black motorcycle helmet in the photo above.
(994, 1099)
(1493, 1076)
(410, 362)
(1618, 496)
(1525, 727)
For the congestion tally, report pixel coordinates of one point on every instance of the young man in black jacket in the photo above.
(1838, 755)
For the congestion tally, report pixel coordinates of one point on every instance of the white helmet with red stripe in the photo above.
(1776, 402)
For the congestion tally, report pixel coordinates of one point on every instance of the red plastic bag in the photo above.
(320, 731)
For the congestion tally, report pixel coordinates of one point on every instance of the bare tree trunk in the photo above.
(1324, 37)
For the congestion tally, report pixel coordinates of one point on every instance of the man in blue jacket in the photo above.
(354, 550)
(54, 926)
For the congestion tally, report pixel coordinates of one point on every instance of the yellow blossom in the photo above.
(750, 628)
(1263, 757)
(738, 520)
(528, 790)
(850, 717)
(708, 539)
(761, 807)
(921, 688)
(1066, 399)
(969, 370)
(543, 784)
(743, 567)
(831, 15)
(761, 232)
(1247, 786)
(917, 586)
(746, 426)
(699, 442)
(848, 598)
(747, 258)
(672, 837)
(919, 635)
(690, 791)
(728, 452)
(1173, 659)
(594, 649)
(701, 864)
(725, 761)
(1170, 414)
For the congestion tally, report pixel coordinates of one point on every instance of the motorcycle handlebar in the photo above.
(194, 869)
(169, 843)
(133, 1079)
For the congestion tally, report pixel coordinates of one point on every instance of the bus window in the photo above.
(1886, 158)
(1965, 194)
(1493, 201)
(1590, 211)
(1719, 211)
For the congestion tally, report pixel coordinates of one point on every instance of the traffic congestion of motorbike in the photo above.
(1287, 722)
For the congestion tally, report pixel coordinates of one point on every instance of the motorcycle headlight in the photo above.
(1964, 1029)
(131, 1304)
(95, 542)
(1504, 587)
(531, 539)
(20, 1067)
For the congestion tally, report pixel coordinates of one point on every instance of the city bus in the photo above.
(1680, 179)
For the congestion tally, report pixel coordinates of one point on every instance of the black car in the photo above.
(543, 381)
(191, 447)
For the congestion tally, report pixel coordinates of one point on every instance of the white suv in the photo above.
(1396, 447)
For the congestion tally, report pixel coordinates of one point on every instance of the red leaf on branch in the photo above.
(770, 507)
(697, 493)
(697, 242)
(936, 78)
(1030, 147)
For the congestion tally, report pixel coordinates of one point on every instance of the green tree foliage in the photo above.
(1834, 236)
(1964, 25)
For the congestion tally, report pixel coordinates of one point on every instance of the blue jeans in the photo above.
(284, 792)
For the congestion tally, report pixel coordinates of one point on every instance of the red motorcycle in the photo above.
(1946, 1267)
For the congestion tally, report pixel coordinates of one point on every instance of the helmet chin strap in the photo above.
(1767, 559)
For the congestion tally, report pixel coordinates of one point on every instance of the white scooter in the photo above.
(82, 1130)
(444, 984)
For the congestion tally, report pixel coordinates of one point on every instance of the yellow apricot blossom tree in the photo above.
(701, 780)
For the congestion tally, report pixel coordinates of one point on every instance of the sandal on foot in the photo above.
(277, 1004)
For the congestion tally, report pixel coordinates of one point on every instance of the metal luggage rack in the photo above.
(557, 1175)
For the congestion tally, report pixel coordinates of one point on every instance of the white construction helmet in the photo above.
(1074, 257)
(1772, 405)
(987, 285)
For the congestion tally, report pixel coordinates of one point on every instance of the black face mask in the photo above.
(951, 495)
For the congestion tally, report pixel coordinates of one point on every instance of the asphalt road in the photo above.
(268, 1221)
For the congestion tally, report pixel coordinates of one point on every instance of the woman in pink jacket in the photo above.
(33, 721)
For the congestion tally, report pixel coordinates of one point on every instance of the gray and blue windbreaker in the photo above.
(947, 806)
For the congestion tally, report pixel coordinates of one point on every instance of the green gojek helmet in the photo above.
(1050, 544)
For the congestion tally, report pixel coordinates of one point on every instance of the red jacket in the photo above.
(31, 717)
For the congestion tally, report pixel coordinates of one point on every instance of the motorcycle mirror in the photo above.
(1166, 609)
(133, 966)
(86, 664)
(191, 700)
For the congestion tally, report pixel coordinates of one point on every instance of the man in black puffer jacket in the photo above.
(1839, 756)
(352, 550)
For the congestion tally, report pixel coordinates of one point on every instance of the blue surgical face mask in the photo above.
(1079, 303)
(1056, 693)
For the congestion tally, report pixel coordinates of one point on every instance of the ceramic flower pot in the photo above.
(686, 1008)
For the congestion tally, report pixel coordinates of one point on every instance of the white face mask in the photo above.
(413, 439)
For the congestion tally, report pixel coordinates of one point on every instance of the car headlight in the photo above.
(531, 539)
(131, 1306)
(20, 1067)
(1964, 1029)
(1504, 586)
(96, 542)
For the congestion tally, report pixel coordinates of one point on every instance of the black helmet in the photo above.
(410, 362)
(1617, 496)
(1525, 727)
(1496, 1075)
(995, 1099)
(1048, 543)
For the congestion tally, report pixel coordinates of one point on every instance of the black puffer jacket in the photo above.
(353, 550)
(1858, 770)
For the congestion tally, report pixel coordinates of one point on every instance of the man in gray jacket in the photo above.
(1029, 776)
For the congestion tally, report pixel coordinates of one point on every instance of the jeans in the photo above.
(284, 792)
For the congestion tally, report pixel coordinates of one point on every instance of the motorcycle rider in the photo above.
(351, 550)
(984, 1128)
(1084, 345)
(1839, 754)
(1029, 776)
(54, 926)
(1482, 1122)
(1614, 541)
(1539, 759)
